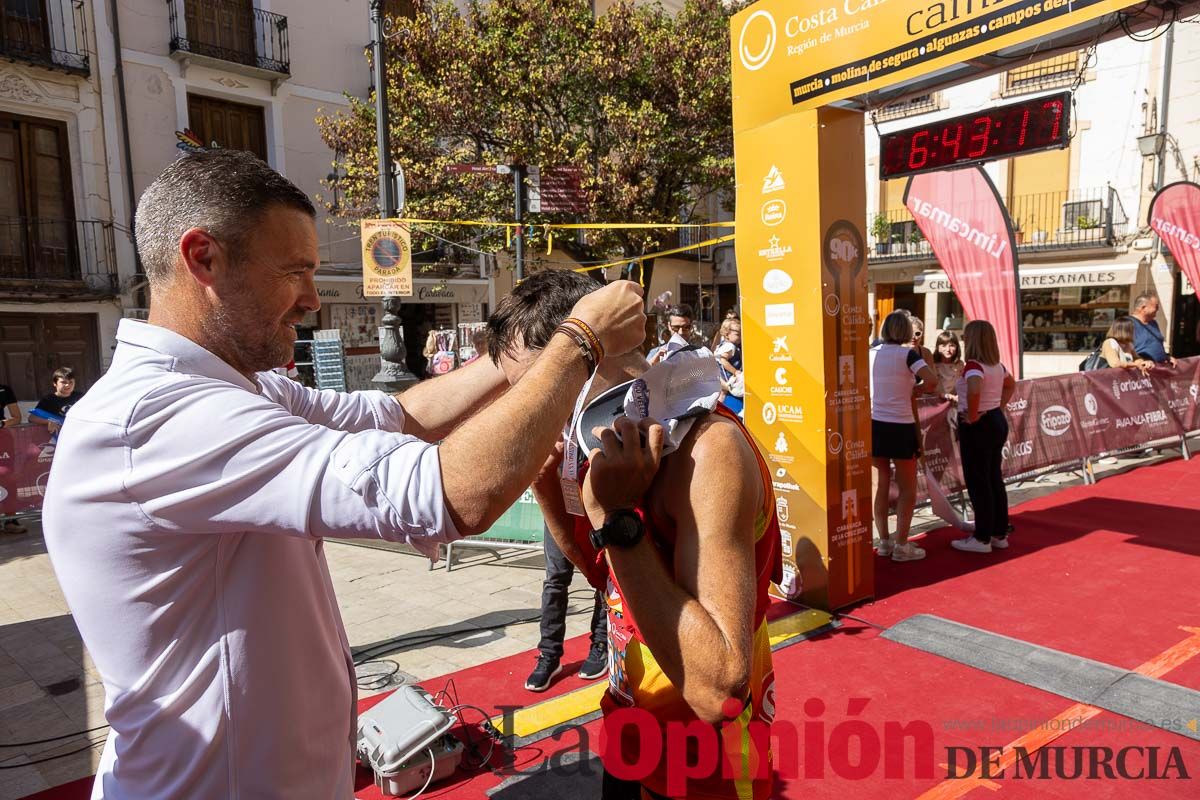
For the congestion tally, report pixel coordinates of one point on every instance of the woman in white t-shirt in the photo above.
(983, 390)
(1117, 347)
(895, 433)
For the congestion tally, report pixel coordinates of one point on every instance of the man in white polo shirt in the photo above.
(192, 489)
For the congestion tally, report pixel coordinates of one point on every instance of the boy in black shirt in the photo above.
(60, 402)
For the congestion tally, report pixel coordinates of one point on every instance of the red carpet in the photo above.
(1107, 572)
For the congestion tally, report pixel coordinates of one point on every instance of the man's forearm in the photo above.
(489, 461)
(685, 640)
(559, 524)
(435, 407)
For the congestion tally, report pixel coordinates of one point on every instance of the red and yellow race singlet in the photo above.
(637, 681)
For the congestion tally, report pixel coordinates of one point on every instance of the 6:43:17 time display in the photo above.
(1042, 123)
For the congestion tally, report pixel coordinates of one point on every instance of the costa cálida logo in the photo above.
(756, 44)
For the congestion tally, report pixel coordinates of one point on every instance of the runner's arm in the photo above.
(699, 624)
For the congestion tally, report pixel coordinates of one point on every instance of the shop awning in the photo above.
(1122, 274)
(349, 289)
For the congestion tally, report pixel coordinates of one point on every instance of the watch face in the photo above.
(624, 529)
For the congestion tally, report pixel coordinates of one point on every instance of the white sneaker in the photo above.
(1000, 543)
(907, 552)
(885, 547)
(972, 545)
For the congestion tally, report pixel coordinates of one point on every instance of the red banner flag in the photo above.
(960, 214)
(1175, 217)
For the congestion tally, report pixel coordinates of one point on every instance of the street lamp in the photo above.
(393, 375)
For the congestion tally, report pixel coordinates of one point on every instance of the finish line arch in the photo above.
(804, 73)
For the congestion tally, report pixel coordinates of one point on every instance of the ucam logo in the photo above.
(1089, 402)
(774, 212)
(769, 413)
(776, 281)
(756, 44)
(1055, 420)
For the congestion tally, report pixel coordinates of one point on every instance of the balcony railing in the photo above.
(49, 33)
(232, 32)
(72, 256)
(1048, 221)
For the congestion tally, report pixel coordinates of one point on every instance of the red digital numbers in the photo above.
(1055, 107)
(918, 153)
(952, 140)
(981, 138)
(1011, 130)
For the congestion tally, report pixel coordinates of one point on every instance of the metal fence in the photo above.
(1064, 220)
(231, 31)
(49, 33)
(49, 250)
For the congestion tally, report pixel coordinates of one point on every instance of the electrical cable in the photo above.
(53, 738)
(375, 680)
(89, 746)
(429, 780)
(838, 616)
(375, 651)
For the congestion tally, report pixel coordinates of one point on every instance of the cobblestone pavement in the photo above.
(49, 686)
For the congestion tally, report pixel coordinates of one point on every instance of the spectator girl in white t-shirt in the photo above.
(983, 390)
(895, 433)
(1117, 347)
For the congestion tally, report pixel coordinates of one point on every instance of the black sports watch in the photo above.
(622, 529)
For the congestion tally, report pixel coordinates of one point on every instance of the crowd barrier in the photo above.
(1056, 422)
(1064, 421)
(25, 455)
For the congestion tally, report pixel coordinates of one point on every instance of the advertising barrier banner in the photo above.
(1064, 419)
(25, 455)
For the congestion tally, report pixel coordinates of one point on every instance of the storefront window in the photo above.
(1071, 319)
(950, 313)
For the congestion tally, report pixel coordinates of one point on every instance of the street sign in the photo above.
(556, 190)
(476, 169)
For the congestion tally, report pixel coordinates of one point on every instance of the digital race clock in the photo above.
(1026, 127)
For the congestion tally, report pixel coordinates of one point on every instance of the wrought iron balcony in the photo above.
(230, 34)
(51, 256)
(49, 33)
(1079, 218)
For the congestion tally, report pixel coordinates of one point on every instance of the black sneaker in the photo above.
(596, 665)
(539, 680)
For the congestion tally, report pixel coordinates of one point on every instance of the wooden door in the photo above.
(236, 126)
(32, 346)
(221, 29)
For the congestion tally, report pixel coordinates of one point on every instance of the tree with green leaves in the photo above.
(638, 99)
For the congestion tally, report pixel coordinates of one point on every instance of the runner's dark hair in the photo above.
(527, 317)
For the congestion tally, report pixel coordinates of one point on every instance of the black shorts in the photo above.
(894, 440)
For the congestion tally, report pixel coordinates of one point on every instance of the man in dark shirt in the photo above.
(10, 412)
(60, 402)
(1147, 337)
